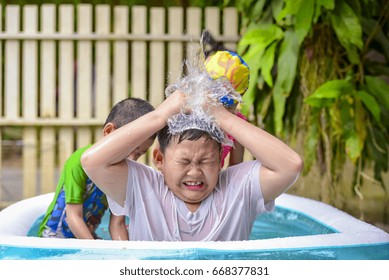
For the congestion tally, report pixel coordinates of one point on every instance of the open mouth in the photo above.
(194, 185)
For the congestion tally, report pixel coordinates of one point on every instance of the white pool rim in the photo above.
(16, 220)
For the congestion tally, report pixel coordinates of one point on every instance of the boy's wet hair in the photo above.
(165, 138)
(128, 110)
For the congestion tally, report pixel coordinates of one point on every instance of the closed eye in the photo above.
(183, 161)
(207, 161)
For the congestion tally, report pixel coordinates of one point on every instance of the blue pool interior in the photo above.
(280, 223)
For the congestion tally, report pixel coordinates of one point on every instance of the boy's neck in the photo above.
(192, 207)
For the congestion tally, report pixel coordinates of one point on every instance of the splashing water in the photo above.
(202, 92)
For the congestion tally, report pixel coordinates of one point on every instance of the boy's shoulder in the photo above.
(72, 171)
(80, 151)
(75, 158)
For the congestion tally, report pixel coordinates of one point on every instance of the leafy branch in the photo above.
(319, 72)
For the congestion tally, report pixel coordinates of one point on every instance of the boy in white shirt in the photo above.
(189, 198)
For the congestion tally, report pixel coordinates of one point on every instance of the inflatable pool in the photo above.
(298, 229)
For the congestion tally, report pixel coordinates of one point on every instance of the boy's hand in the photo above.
(173, 104)
(215, 109)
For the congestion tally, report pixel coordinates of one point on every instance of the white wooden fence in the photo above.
(63, 67)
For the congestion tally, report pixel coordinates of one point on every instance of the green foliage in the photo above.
(320, 68)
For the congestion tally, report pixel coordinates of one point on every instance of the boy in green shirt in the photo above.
(79, 205)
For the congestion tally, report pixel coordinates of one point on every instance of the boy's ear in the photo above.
(108, 128)
(158, 157)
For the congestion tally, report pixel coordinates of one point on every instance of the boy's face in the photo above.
(142, 149)
(139, 151)
(190, 168)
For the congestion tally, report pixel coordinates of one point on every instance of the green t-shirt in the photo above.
(74, 186)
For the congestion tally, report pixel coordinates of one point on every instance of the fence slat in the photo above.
(11, 66)
(120, 55)
(157, 57)
(157, 61)
(29, 93)
(66, 82)
(48, 143)
(139, 58)
(193, 26)
(212, 20)
(230, 26)
(48, 65)
(12, 71)
(66, 64)
(48, 99)
(84, 70)
(103, 67)
(138, 53)
(175, 49)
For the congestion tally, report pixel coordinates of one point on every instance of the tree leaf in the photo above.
(242, 5)
(291, 8)
(328, 92)
(354, 139)
(249, 96)
(354, 146)
(263, 35)
(287, 62)
(276, 7)
(368, 26)
(327, 4)
(303, 19)
(348, 27)
(257, 10)
(253, 59)
(371, 105)
(267, 64)
(348, 30)
(378, 88)
(264, 106)
(286, 67)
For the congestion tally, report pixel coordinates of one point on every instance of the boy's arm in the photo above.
(117, 227)
(281, 166)
(105, 163)
(236, 154)
(74, 217)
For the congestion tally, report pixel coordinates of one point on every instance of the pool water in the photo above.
(280, 223)
(286, 223)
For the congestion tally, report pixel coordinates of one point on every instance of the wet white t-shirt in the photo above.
(227, 214)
